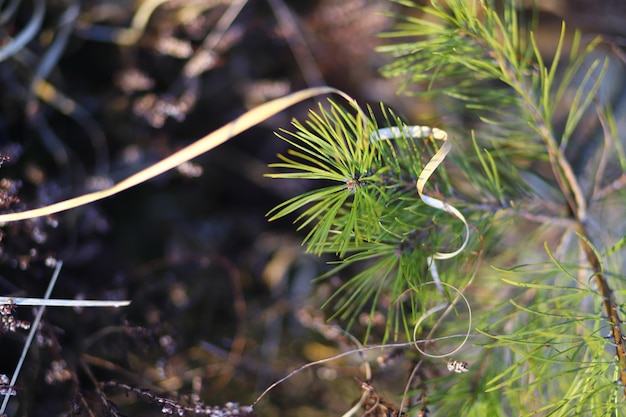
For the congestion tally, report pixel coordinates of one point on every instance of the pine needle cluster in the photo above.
(550, 340)
(368, 210)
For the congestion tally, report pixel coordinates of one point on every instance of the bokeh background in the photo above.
(223, 302)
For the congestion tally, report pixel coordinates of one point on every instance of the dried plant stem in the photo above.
(203, 145)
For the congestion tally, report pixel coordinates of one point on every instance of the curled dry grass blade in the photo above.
(246, 121)
(372, 207)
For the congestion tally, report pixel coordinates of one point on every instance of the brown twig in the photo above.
(610, 307)
(572, 191)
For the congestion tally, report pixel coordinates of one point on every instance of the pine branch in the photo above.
(488, 61)
(610, 306)
(375, 210)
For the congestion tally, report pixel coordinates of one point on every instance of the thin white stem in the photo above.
(18, 301)
(46, 302)
(31, 335)
(351, 352)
